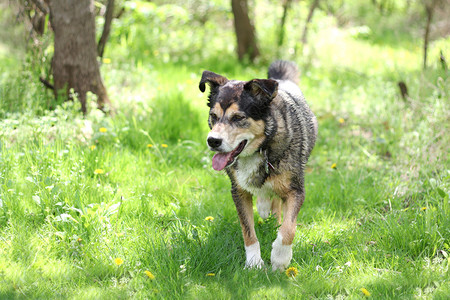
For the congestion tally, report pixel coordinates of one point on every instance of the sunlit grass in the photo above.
(102, 207)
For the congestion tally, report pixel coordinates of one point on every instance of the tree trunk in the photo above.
(245, 31)
(308, 20)
(286, 6)
(74, 62)
(429, 9)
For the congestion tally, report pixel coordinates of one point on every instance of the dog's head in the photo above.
(238, 110)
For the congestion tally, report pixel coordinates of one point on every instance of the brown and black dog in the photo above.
(263, 132)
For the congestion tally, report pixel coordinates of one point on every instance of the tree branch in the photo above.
(41, 6)
(308, 20)
(106, 28)
(46, 83)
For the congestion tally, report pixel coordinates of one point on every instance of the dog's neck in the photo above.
(267, 165)
(269, 131)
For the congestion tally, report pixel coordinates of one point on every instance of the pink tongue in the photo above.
(220, 160)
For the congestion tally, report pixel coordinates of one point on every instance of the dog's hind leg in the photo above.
(263, 205)
(282, 246)
(244, 207)
(276, 209)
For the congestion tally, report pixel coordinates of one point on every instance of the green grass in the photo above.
(379, 220)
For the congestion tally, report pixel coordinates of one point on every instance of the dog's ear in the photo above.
(212, 78)
(267, 88)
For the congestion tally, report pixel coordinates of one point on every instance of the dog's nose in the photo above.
(214, 143)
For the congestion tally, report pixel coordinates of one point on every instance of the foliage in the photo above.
(164, 32)
(91, 206)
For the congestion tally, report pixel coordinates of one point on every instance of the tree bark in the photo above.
(308, 20)
(74, 62)
(106, 28)
(245, 31)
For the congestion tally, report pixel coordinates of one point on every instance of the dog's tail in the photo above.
(284, 70)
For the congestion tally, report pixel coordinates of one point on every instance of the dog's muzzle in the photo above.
(221, 160)
(214, 143)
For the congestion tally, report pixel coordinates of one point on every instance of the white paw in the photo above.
(253, 257)
(263, 206)
(281, 254)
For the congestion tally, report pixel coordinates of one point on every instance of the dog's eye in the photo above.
(213, 117)
(237, 118)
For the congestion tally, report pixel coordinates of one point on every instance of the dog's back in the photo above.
(303, 125)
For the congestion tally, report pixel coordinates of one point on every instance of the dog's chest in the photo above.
(251, 175)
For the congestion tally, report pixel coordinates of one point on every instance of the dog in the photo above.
(263, 132)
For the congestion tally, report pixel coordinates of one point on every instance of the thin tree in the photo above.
(245, 31)
(312, 8)
(429, 11)
(286, 5)
(106, 28)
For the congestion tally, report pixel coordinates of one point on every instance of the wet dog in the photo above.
(263, 132)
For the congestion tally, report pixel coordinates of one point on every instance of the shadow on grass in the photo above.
(208, 260)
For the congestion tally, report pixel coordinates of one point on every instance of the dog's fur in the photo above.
(263, 132)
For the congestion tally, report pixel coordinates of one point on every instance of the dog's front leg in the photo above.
(244, 206)
(282, 246)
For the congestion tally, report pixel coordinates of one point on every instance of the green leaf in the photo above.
(441, 192)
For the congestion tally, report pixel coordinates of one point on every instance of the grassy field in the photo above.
(129, 206)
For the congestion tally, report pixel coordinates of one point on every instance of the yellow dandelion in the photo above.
(79, 240)
(118, 261)
(99, 171)
(211, 274)
(149, 145)
(106, 60)
(291, 272)
(334, 166)
(103, 129)
(164, 145)
(92, 147)
(341, 120)
(365, 292)
(423, 208)
(149, 274)
(209, 218)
